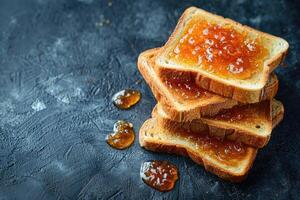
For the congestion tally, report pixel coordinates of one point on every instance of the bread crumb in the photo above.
(103, 21)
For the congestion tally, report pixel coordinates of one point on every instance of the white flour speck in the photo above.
(38, 105)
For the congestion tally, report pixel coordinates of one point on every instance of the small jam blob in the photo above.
(123, 135)
(220, 49)
(160, 175)
(125, 99)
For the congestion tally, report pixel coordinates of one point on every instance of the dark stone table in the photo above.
(60, 63)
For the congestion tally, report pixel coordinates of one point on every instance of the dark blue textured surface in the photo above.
(60, 63)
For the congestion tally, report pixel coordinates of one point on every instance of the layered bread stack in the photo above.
(215, 87)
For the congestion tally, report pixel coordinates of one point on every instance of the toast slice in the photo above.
(204, 149)
(188, 101)
(249, 124)
(226, 57)
(232, 165)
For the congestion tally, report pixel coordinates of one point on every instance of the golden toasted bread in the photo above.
(187, 101)
(225, 57)
(228, 160)
(249, 124)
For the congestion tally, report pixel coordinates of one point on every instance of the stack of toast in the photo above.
(217, 113)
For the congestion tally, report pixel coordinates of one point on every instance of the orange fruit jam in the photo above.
(220, 50)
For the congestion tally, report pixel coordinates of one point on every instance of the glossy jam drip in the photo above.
(125, 99)
(185, 87)
(220, 50)
(123, 135)
(160, 175)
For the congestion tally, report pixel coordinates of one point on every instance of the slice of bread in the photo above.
(247, 89)
(156, 138)
(249, 124)
(174, 101)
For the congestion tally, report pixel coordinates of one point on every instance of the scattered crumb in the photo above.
(138, 81)
(64, 99)
(103, 21)
(99, 24)
(38, 105)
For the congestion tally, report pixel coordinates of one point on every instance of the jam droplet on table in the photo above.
(125, 99)
(123, 135)
(160, 175)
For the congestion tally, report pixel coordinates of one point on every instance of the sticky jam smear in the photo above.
(160, 175)
(123, 135)
(220, 50)
(222, 149)
(252, 114)
(184, 86)
(125, 99)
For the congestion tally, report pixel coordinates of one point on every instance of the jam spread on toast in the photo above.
(222, 149)
(161, 175)
(232, 116)
(184, 86)
(220, 50)
(123, 135)
(125, 99)
(252, 113)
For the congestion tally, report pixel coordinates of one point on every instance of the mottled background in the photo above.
(60, 63)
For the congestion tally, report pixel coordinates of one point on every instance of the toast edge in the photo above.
(217, 86)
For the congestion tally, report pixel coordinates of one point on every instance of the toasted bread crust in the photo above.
(240, 135)
(239, 94)
(243, 136)
(165, 146)
(278, 113)
(219, 85)
(208, 108)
